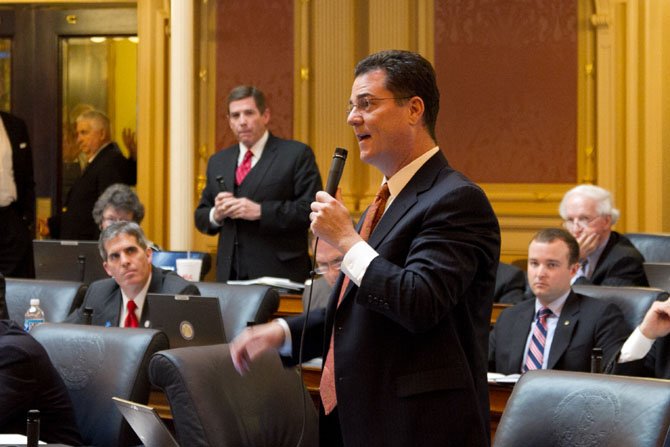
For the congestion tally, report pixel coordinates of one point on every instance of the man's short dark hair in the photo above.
(549, 235)
(247, 91)
(120, 197)
(407, 74)
(118, 228)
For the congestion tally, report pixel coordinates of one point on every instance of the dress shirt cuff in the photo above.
(286, 349)
(356, 261)
(211, 218)
(636, 347)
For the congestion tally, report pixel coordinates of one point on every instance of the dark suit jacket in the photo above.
(104, 297)
(108, 167)
(510, 284)
(17, 223)
(284, 181)
(585, 323)
(655, 364)
(620, 264)
(411, 342)
(29, 381)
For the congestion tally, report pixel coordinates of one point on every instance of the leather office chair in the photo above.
(57, 298)
(97, 363)
(655, 247)
(633, 301)
(212, 405)
(562, 408)
(511, 284)
(168, 260)
(241, 305)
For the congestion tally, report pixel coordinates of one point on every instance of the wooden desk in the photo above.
(290, 305)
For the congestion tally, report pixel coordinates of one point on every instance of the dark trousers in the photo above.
(330, 434)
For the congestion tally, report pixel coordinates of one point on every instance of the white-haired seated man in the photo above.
(606, 257)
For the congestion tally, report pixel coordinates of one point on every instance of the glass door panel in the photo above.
(97, 73)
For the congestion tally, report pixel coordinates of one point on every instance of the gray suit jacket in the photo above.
(104, 297)
(585, 323)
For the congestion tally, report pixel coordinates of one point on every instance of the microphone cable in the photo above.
(312, 276)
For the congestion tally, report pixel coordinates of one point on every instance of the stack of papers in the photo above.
(502, 378)
(277, 283)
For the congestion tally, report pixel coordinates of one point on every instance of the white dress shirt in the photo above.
(140, 299)
(7, 185)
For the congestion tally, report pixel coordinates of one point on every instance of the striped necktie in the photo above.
(535, 355)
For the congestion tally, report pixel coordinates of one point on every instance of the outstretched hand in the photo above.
(254, 341)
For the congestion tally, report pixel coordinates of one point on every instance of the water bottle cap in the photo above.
(34, 301)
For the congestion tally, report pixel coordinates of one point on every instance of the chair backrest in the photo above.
(168, 260)
(241, 305)
(564, 408)
(510, 285)
(212, 405)
(633, 301)
(57, 298)
(658, 274)
(654, 247)
(97, 363)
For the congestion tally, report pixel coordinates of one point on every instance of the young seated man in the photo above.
(558, 328)
(121, 299)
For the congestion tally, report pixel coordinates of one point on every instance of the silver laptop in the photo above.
(146, 423)
(658, 274)
(186, 320)
(68, 261)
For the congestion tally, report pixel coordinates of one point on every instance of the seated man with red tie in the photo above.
(121, 299)
(559, 328)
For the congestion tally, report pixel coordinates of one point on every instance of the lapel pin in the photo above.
(566, 323)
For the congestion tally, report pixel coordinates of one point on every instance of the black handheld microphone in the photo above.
(221, 182)
(336, 168)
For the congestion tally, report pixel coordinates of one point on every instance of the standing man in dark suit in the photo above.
(121, 300)
(574, 326)
(257, 197)
(647, 351)
(606, 258)
(106, 165)
(17, 199)
(406, 344)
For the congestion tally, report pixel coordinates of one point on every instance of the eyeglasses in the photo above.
(323, 267)
(581, 222)
(364, 103)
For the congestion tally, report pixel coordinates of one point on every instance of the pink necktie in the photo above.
(131, 318)
(327, 385)
(244, 168)
(535, 355)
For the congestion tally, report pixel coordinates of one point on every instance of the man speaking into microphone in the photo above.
(406, 329)
(257, 196)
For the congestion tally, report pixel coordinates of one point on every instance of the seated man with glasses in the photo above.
(605, 257)
(328, 261)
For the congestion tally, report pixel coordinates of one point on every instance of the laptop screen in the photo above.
(186, 320)
(68, 261)
(146, 423)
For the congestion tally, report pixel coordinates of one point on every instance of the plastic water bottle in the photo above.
(34, 316)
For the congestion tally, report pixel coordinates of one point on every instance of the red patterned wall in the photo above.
(507, 72)
(255, 46)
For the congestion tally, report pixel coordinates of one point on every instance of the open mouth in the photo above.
(362, 137)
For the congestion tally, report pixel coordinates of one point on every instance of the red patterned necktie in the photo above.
(244, 168)
(131, 318)
(327, 385)
(535, 355)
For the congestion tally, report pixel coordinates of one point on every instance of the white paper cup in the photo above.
(189, 269)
